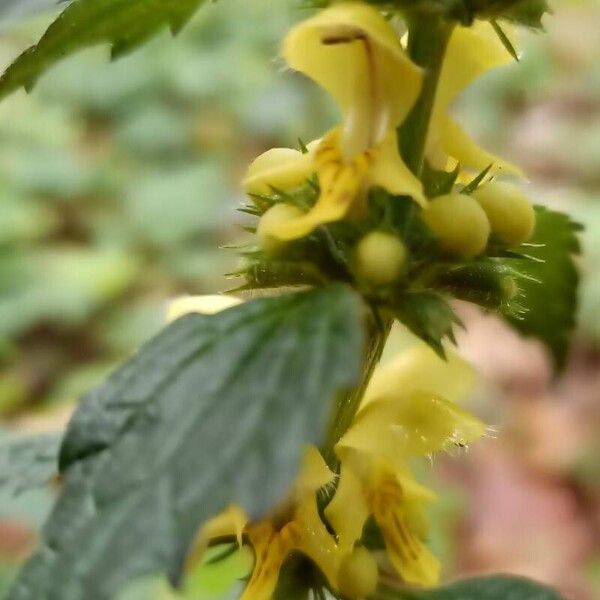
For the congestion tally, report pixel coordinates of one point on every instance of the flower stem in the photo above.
(428, 37)
(346, 404)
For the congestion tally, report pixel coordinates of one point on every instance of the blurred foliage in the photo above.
(118, 183)
(545, 112)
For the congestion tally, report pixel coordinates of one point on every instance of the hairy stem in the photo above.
(346, 405)
(428, 39)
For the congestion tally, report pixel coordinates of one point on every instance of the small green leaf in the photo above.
(504, 39)
(493, 587)
(549, 289)
(436, 182)
(428, 316)
(28, 462)
(214, 410)
(476, 181)
(124, 24)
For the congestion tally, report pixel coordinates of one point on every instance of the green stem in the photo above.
(428, 37)
(346, 405)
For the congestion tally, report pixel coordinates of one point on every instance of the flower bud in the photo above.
(380, 257)
(273, 218)
(509, 211)
(358, 574)
(460, 224)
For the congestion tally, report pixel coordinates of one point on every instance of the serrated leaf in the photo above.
(493, 587)
(28, 462)
(124, 24)
(551, 304)
(429, 316)
(213, 411)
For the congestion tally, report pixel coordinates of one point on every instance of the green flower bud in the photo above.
(380, 257)
(460, 224)
(509, 211)
(273, 218)
(358, 574)
(487, 283)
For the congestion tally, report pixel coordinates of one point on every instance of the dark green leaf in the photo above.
(428, 316)
(549, 291)
(504, 39)
(124, 24)
(476, 181)
(214, 410)
(494, 587)
(28, 462)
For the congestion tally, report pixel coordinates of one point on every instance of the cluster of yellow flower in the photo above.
(359, 58)
(409, 409)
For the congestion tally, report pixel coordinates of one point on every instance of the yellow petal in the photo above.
(391, 173)
(331, 48)
(271, 548)
(312, 539)
(471, 52)
(347, 511)
(314, 472)
(420, 369)
(230, 522)
(419, 424)
(372, 433)
(280, 168)
(458, 144)
(205, 305)
(407, 552)
(340, 183)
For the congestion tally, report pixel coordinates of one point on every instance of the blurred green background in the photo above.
(118, 185)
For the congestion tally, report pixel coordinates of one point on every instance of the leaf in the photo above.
(493, 587)
(213, 411)
(438, 182)
(28, 462)
(504, 39)
(124, 24)
(428, 316)
(549, 288)
(476, 181)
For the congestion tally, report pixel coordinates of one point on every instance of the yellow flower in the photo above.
(295, 527)
(404, 414)
(408, 411)
(471, 52)
(352, 52)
